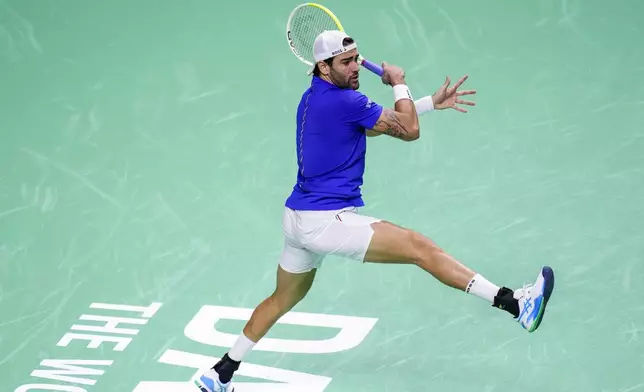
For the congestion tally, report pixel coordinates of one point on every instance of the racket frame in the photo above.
(373, 67)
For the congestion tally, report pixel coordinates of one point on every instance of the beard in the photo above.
(352, 81)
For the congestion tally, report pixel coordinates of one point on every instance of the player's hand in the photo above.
(392, 75)
(447, 97)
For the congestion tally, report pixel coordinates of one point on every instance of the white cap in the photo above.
(329, 44)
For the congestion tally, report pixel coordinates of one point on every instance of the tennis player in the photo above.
(321, 215)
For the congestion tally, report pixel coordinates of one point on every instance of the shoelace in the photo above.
(526, 291)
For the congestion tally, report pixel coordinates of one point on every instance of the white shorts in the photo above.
(309, 236)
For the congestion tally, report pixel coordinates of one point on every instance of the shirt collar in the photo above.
(322, 84)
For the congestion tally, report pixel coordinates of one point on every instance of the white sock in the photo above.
(242, 346)
(482, 288)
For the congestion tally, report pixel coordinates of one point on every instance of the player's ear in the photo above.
(324, 68)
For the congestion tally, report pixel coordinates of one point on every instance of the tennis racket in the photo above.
(305, 23)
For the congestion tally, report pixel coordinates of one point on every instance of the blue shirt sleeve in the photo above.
(360, 110)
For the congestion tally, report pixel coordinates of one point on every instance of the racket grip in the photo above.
(373, 67)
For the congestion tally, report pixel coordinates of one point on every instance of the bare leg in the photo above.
(398, 245)
(291, 289)
(395, 244)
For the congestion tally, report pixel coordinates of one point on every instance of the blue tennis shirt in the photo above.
(331, 146)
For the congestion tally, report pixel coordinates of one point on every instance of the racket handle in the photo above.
(373, 67)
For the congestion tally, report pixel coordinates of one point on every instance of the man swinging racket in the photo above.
(321, 215)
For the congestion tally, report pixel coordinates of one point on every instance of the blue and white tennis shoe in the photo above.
(534, 298)
(209, 382)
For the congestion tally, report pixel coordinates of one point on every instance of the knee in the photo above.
(424, 249)
(285, 301)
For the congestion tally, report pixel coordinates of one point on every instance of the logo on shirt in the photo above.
(368, 105)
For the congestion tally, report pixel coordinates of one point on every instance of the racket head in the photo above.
(304, 24)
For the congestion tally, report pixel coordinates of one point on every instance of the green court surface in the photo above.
(147, 148)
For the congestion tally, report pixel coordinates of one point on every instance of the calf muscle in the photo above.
(290, 290)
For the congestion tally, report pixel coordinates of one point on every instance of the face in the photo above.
(343, 71)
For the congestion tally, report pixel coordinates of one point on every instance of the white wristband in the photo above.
(401, 91)
(424, 105)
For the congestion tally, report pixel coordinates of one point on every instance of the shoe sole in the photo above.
(201, 387)
(204, 389)
(549, 283)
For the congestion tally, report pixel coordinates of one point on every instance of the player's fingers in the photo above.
(460, 81)
(466, 92)
(385, 74)
(460, 109)
(462, 102)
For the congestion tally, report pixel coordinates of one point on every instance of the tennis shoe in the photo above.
(209, 382)
(533, 299)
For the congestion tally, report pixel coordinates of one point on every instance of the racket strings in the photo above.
(306, 25)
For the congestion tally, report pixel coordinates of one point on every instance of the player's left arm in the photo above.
(445, 98)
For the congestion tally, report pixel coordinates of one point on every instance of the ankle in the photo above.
(505, 300)
(225, 368)
(482, 288)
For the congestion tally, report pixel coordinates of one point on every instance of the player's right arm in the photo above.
(397, 123)
(401, 122)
